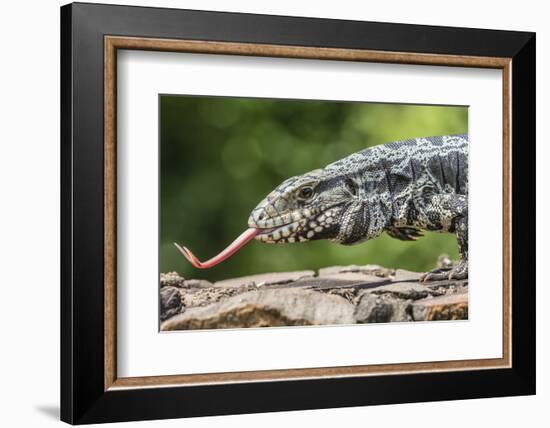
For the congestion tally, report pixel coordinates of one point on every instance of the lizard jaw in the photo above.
(279, 234)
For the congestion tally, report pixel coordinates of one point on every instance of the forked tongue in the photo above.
(231, 249)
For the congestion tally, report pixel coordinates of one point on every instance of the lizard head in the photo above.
(316, 205)
(303, 208)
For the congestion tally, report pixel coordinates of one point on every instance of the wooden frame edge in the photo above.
(112, 43)
(301, 52)
(299, 374)
(507, 213)
(109, 199)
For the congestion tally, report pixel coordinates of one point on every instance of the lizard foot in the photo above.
(439, 274)
(460, 271)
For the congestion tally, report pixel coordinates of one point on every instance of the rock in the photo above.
(337, 295)
(376, 308)
(170, 302)
(265, 279)
(197, 283)
(406, 290)
(406, 275)
(374, 270)
(390, 302)
(264, 308)
(206, 296)
(449, 287)
(449, 307)
(355, 277)
(348, 293)
(171, 279)
(337, 281)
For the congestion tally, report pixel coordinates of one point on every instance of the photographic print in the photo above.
(230, 208)
(305, 212)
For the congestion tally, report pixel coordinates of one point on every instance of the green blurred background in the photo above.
(221, 156)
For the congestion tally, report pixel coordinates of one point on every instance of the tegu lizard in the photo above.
(400, 188)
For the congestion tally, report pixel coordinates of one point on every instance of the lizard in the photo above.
(401, 188)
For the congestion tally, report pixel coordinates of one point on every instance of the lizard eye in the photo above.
(305, 192)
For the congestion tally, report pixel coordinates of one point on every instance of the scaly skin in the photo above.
(399, 188)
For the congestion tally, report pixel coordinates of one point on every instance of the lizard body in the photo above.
(401, 188)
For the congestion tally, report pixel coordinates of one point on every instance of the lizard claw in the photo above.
(435, 275)
(458, 272)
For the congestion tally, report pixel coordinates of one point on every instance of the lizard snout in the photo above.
(273, 211)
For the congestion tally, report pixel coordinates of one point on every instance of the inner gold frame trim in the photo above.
(113, 43)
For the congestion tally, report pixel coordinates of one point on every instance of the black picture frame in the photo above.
(83, 396)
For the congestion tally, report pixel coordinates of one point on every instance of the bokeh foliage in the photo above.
(221, 156)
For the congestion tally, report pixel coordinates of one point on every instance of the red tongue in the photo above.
(231, 249)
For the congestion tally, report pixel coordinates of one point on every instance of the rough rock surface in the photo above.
(265, 279)
(265, 308)
(449, 307)
(334, 295)
(170, 302)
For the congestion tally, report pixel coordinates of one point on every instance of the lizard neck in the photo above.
(364, 218)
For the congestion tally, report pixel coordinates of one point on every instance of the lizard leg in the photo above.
(460, 271)
(404, 233)
(460, 226)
